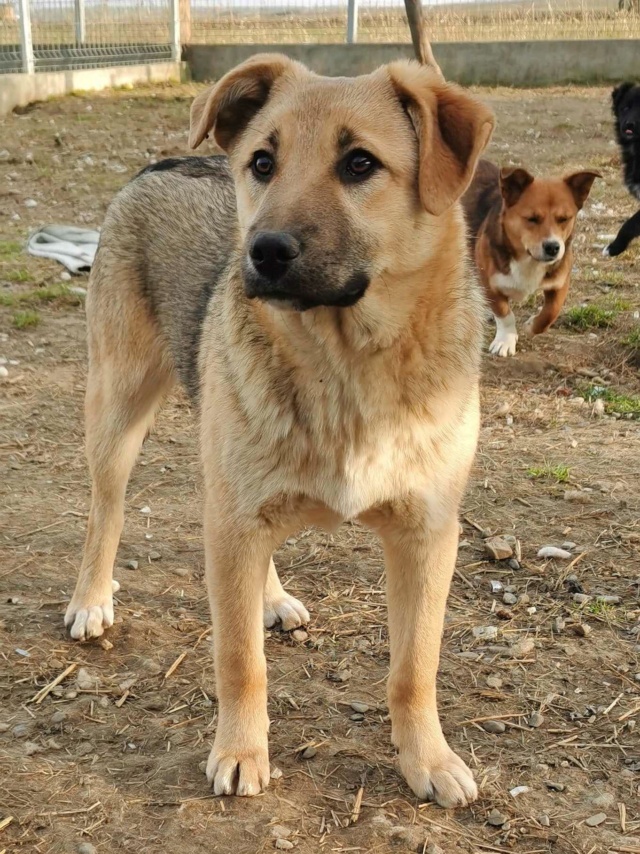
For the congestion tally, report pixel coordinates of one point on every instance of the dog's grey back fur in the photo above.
(173, 227)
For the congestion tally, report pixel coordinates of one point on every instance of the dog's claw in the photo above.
(90, 621)
(446, 780)
(287, 610)
(243, 773)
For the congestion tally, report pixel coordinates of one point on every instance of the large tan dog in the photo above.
(312, 294)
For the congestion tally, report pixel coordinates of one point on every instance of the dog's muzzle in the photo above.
(276, 272)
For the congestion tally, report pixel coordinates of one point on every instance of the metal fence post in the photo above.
(176, 46)
(26, 45)
(81, 32)
(352, 21)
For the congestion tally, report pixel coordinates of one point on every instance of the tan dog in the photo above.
(521, 230)
(330, 332)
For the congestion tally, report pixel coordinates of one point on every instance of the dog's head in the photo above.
(539, 215)
(338, 179)
(626, 109)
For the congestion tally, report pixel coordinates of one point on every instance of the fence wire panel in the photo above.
(70, 34)
(274, 22)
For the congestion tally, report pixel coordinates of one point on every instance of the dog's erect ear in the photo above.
(580, 184)
(618, 94)
(513, 183)
(453, 129)
(235, 99)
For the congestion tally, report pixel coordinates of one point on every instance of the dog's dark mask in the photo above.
(626, 108)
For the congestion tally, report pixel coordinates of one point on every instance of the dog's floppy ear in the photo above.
(230, 105)
(513, 183)
(618, 94)
(453, 129)
(580, 184)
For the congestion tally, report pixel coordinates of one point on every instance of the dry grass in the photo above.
(117, 763)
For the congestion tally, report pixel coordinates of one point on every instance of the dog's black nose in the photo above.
(272, 252)
(551, 248)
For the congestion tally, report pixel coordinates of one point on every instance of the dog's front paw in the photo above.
(443, 777)
(528, 326)
(613, 249)
(286, 610)
(504, 344)
(243, 772)
(88, 616)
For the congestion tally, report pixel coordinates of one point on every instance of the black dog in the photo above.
(626, 109)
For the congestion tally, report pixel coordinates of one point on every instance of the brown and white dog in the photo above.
(521, 228)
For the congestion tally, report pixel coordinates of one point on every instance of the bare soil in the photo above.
(117, 763)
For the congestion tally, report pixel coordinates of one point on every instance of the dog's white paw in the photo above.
(86, 621)
(445, 779)
(284, 609)
(606, 252)
(238, 772)
(504, 344)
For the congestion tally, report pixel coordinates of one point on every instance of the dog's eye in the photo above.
(534, 220)
(359, 164)
(562, 219)
(262, 165)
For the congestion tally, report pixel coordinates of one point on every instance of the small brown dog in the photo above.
(311, 292)
(521, 229)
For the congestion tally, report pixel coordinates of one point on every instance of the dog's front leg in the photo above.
(237, 562)
(420, 557)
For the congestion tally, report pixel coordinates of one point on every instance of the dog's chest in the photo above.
(524, 278)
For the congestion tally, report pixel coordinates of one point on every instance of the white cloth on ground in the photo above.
(74, 247)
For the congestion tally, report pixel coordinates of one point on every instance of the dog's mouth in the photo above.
(295, 297)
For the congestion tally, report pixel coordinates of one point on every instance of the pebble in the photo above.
(609, 600)
(58, 717)
(581, 598)
(309, 753)
(30, 203)
(544, 820)
(523, 648)
(485, 632)
(553, 551)
(85, 681)
(284, 844)
(494, 682)
(583, 630)
(3, 371)
(536, 720)
(568, 545)
(278, 831)
(300, 635)
(20, 730)
(87, 848)
(577, 496)
(4, 727)
(498, 548)
(356, 717)
(70, 694)
(510, 599)
(432, 848)
(359, 707)
(519, 790)
(131, 564)
(637, 677)
(151, 666)
(496, 586)
(105, 644)
(146, 510)
(496, 819)
(554, 787)
(599, 408)
(276, 774)
(596, 820)
(512, 563)
(495, 727)
(558, 625)
(181, 571)
(339, 675)
(604, 800)
(30, 747)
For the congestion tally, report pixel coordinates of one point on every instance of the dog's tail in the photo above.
(421, 44)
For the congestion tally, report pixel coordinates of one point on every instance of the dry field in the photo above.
(110, 759)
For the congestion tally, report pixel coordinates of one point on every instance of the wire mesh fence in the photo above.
(68, 34)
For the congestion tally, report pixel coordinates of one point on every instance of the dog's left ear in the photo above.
(580, 184)
(453, 129)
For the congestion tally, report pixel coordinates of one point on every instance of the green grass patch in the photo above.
(594, 316)
(548, 472)
(600, 609)
(20, 275)
(38, 296)
(9, 249)
(26, 319)
(614, 402)
(632, 340)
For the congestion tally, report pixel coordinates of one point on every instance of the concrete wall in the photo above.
(523, 64)
(17, 90)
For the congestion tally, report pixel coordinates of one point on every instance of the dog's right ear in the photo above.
(618, 94)
(229, 106)
(513, 183)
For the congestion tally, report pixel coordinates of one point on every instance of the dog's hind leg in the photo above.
(279, 606)
(629, 231)
(128, 376)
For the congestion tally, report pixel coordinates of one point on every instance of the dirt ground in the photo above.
(112, 757)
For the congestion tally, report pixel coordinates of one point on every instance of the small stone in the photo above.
(598, 408)
(146, 510)
(496, 819)
(558, 625)
(359, 707)
(519, 790)
(495, 727)
(485, 632)
(131, 564)
(510, 599)
(568, 545)
(309, 753)
(604, 800)
(30, 747)
(608, 600)
(151, 666)
(553, 786)
(535, 720)
(637, 677)
(581, 598)
(494, 682)
(70, 694)
(497, 548)
(87, 848)
(544, 820)
(596, 820)
(155, 556)
(278, 831)
(20, 730)
(356, 717)
(496, 587)
(553, 551)
(514, 564)
(181, 571)
(503, 409)
(523, 647)
(4, 727)
(276, 774)
(339, 675)
(299, 635)
(30, 203)
(58, 716)
(284, 844)
(3, 372)
(583, 630)
(66, 277)
(432, 848)
(85, 681)
(577, 496)
(105, 644)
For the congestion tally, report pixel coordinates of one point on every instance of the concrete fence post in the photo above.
(81, 31)
(352, 21)
(176, 45)
(26, 44)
